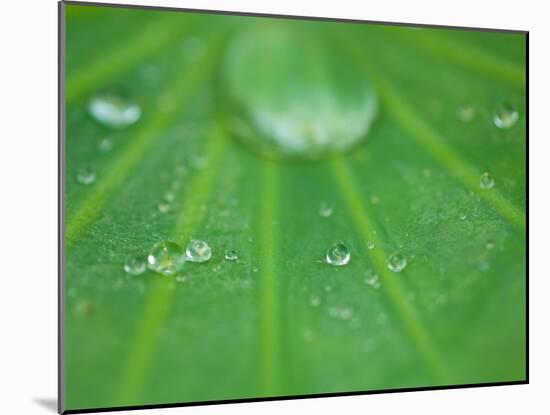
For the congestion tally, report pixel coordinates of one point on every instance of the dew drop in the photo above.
(105, 145)
(340, 312)
(397, 262)
(164, 207)
(315, 300)
(370, 244)
(166, 258)
(114, 110)
(231, 255)
(135, 265)
(325, 210)
(338, 255)
(484, 266)
(86, 175)
(372, 278)
(181, 278)
(198, 251)
(285, 112)
(486, 181)
(199, 162)
(169, 196)
(466, 113)
(462, 216)
(255, 269)
(490, 244)
(506, 116)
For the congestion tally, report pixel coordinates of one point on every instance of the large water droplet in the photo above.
(166, 258)
(114, 110)
(86, 175)
(338, 255)
(486, 181)
(397, 262)
(506, 116)
(135, 265)
(292, 98)
(370, 244)
(198, 251)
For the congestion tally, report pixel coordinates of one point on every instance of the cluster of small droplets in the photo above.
(168, 258)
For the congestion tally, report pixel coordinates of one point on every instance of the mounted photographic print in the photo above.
(268, 207)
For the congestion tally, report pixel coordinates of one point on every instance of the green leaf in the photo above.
(279, 320)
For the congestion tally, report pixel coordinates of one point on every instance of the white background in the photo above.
(28, 192)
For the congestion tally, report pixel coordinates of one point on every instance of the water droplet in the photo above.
(231, 255)
(198, 251)
(338, 255)
(164, 207)
(372, 278)
(199, 162)
(341, 312)
(462, 216)
(287, 112)
(315, 300)
(325, 210)
(370, 244)
(105, 145)
(86, 175)
(484, 266)
(506, 116)
(490, 244)
(255, 269)
(135, 265)
(486, 181)
(397, 262)
(169, 196)
(466, 113)
(181, 278)
(166, 258)
(114, 110)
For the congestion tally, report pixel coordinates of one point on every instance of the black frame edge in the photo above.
(61, 381)
(286, 16)
(292, 397)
